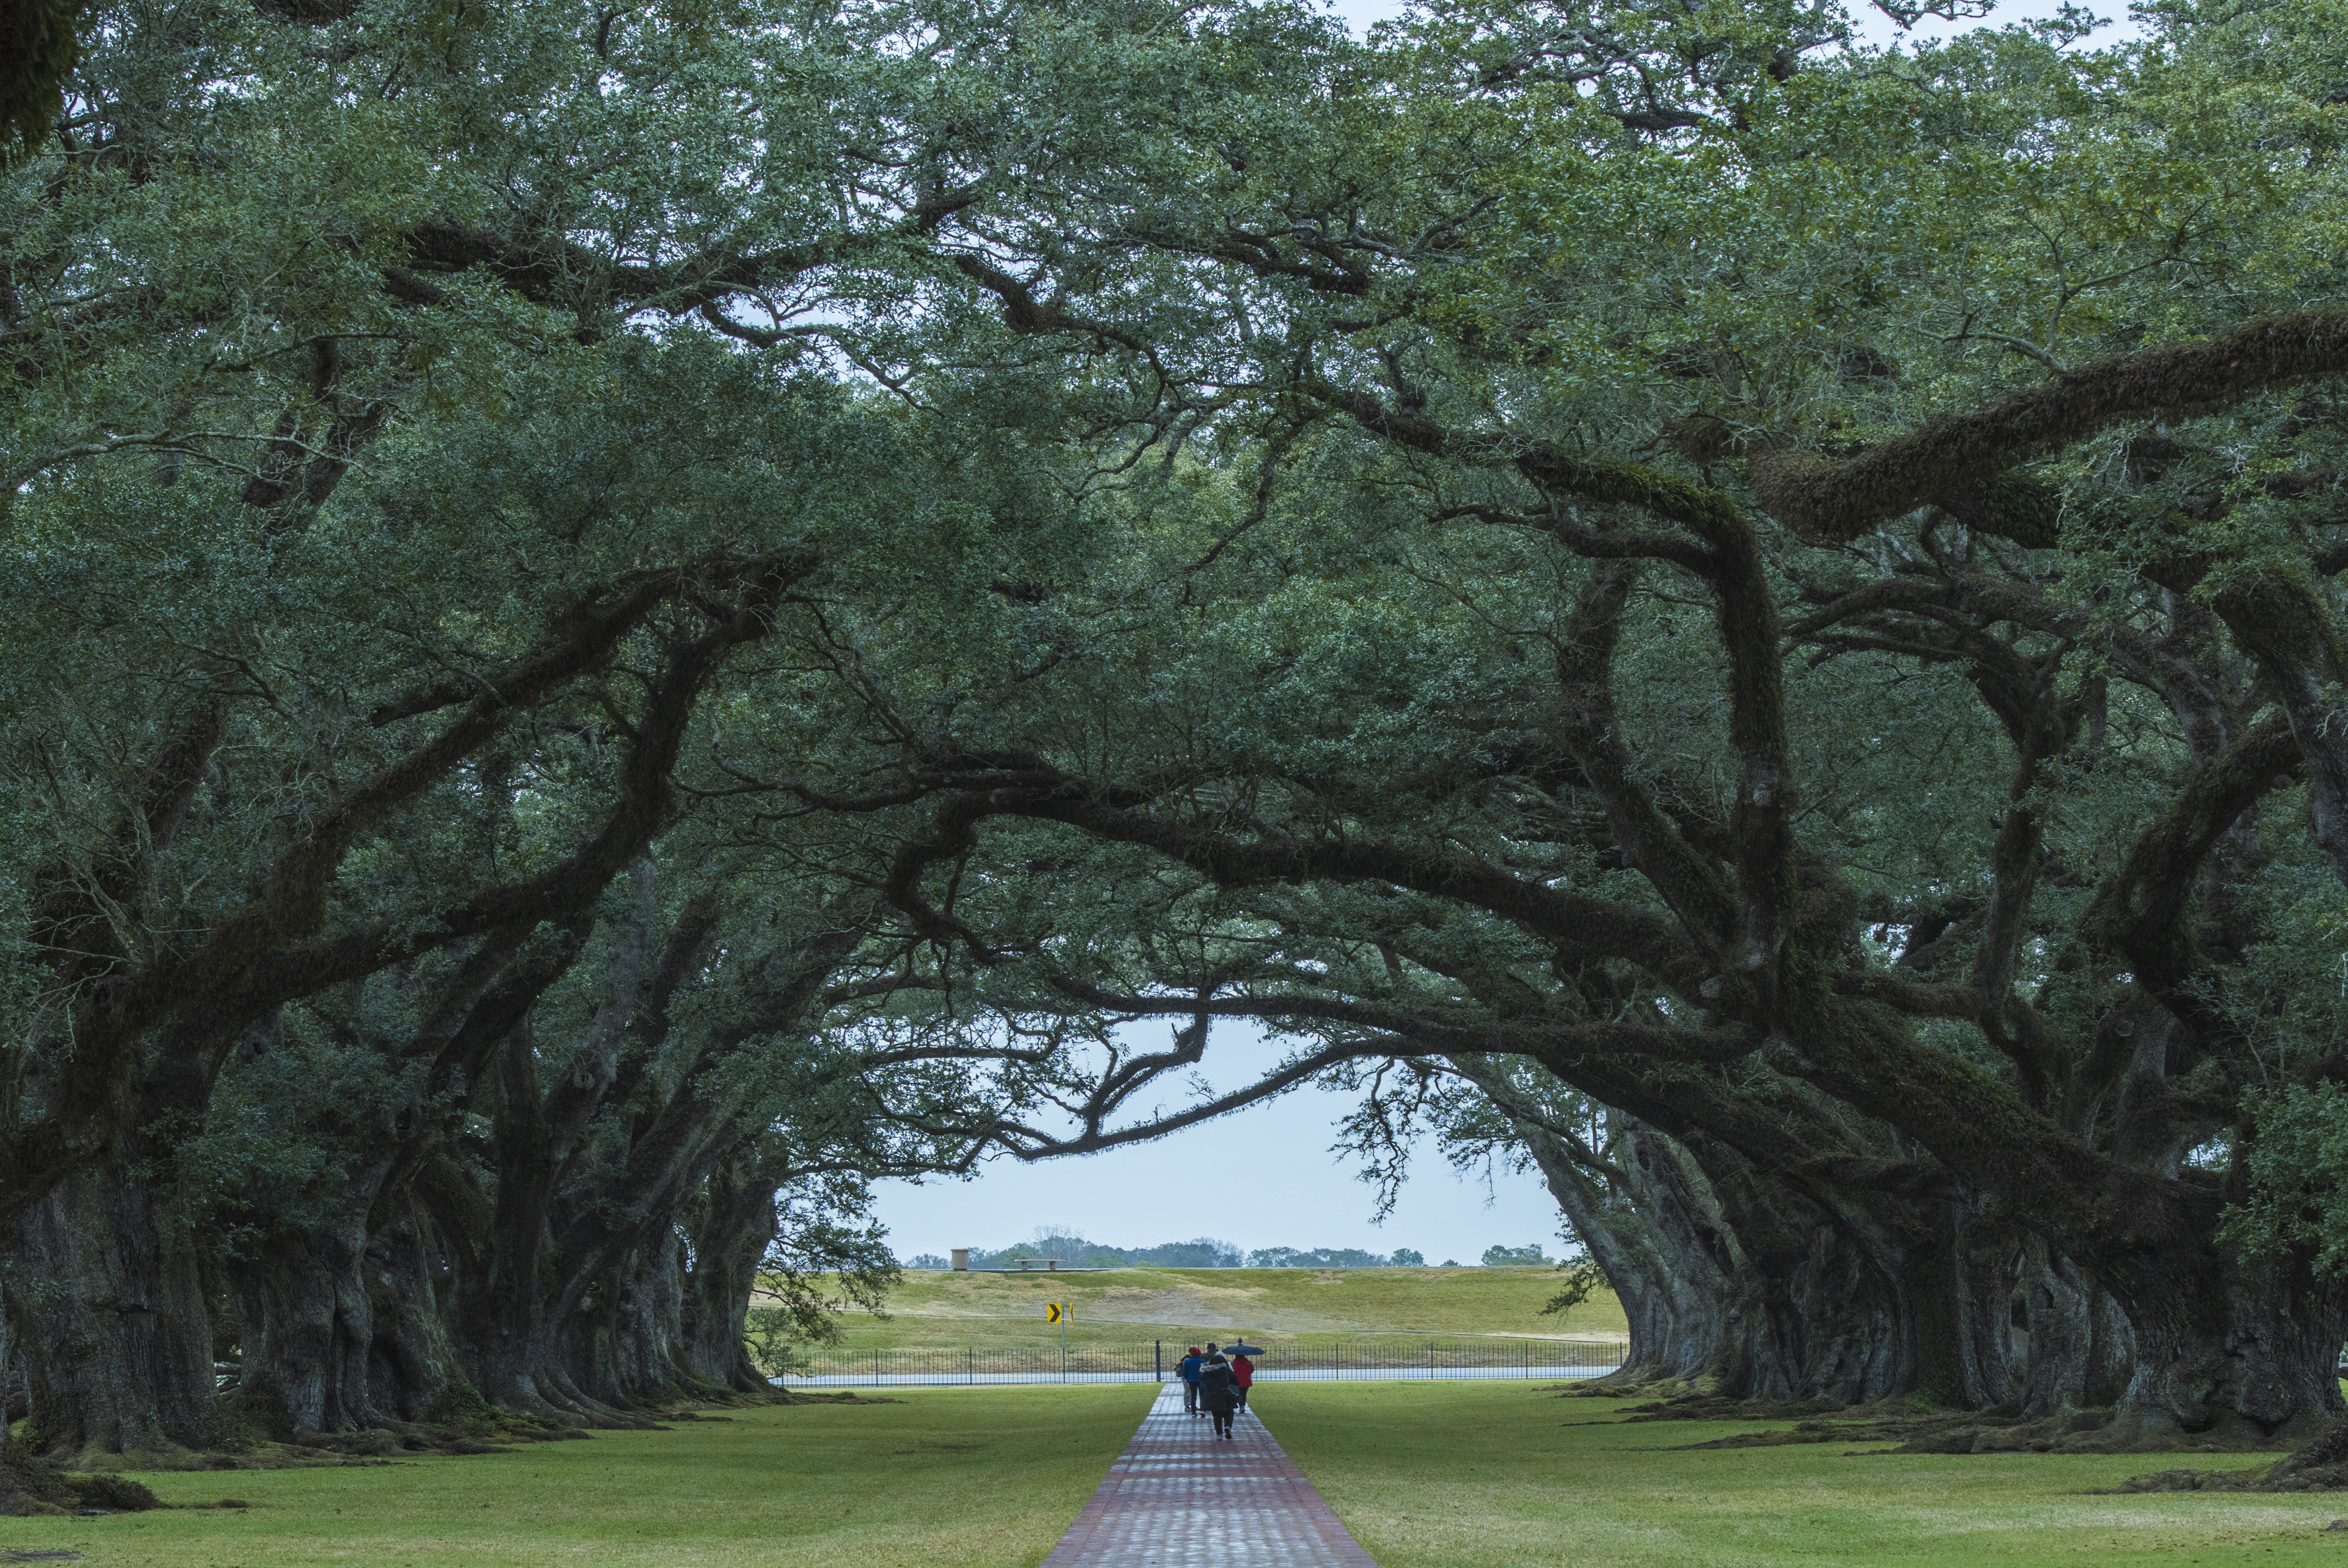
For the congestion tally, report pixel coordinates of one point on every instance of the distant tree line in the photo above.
(1516, 1257)
(1332, 1257)
(1207, 1252)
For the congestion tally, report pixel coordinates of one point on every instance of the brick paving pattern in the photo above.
(1179, 1498)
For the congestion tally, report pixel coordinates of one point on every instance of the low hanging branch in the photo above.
(1954, 460)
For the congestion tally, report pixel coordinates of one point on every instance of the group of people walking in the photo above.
(1216, 1385)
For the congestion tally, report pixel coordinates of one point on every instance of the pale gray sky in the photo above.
(1261, 1177)
(1874, 25)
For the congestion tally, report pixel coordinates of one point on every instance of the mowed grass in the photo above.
(1491, 1475)
(946, 1478)
(1427, 1475)
(1127, 1306)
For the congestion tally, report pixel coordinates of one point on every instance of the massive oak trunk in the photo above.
(307, 1314)
(343, 1330)
(1741, 1283)
(521, 1315)
(2078, 1349)
(308, 1328)
(2224, 1347)
(731, 1225)
(620, 1344)
(1819, 1312)
(508, 1338)
(412, 1371)
(1671, 1273)
(2228, 1348)
(581, 1305)
(1960, 1262)
(114, 1332)
(1857, 1296)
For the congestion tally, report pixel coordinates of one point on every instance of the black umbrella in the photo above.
(1242, 1350)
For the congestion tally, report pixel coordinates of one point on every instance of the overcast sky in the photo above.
(1873, 25)
(1262, 1177)
(1266, 1177)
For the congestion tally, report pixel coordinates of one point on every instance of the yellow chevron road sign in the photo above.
(1056, 1312)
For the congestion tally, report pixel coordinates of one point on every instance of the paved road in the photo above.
(1177, 1498)
(1348, 1375)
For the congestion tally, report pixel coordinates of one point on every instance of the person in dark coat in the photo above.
(1188, 1368)
(1242, 1377)
(1218, 1394)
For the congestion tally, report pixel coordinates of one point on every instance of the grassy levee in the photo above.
(1283, 1306)
(943, 1478)
(1481, 1475)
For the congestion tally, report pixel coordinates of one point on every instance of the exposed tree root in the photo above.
(1911, 1428)
(1708, 1407)
(309, 1450)
(33, 1486)
(1964, 1432)
(2320, 1466)
(1630, 1384)
(74, 1483)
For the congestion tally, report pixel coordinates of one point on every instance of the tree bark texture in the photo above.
(2230, 1348)
(343, 1330)
(731, 1225)
(116, 1334)
(621, 1345)
(1739, 1284)
(308, 1333)
(2079, 1350)
(412, 1371)
(15, 1405)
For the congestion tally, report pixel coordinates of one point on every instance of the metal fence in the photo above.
(1381, 1357)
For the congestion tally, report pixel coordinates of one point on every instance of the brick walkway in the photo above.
(1177, 1498)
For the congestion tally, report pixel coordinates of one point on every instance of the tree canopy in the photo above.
(622, 620)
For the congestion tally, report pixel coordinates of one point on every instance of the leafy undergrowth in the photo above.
(929, 1479)
(1499, 1475)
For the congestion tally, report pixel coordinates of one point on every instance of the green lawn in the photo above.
(1468, 1475)
(950, 1478)
(1429, 1475)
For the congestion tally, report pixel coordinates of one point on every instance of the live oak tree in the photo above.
(1820, 605)
(385, 564)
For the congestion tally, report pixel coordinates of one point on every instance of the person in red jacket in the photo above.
(1242, 1375)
